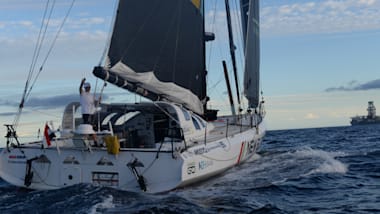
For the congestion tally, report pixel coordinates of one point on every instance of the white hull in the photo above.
(162, 169)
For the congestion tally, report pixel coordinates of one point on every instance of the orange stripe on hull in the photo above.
(241, 151)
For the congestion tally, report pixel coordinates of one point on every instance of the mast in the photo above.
(202, 5)
(229, 88)
(209, 114)
(232, 50)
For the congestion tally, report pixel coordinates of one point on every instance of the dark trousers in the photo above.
(87, 118)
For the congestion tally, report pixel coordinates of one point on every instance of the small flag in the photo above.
(48, 134)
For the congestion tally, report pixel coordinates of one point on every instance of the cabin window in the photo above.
(200, 121)
(124, 118)
(196, 124)
(186, 114)
(108, 118)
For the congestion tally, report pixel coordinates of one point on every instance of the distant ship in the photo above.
(371, 118)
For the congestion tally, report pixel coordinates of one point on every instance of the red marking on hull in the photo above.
(241, 151)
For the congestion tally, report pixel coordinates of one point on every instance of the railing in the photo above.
(172, 133)
(11, 134)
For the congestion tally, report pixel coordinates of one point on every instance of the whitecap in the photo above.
(325, 162)
(107, 203)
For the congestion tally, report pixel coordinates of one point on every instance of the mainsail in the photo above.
(251, 37)
(157, 51)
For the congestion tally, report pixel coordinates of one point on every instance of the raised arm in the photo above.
(81, 85)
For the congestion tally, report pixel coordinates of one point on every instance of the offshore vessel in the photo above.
(371, 118)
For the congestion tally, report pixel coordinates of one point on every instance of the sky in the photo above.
(319, 59)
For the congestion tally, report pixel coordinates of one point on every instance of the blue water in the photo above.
(324, 170)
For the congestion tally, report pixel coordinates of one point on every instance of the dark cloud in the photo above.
(51, 102)
(7, 103)
(355, 86)
(5, 114)
(46, 102)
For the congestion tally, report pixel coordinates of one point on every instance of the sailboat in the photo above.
(157, 50)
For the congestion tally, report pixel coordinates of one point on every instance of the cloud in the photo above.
(5, 114)
(56, 101)
(52, 102)
(311, 116)
(45, 102)
(319, 17)
(355, 86)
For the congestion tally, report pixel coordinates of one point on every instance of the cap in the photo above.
(86, 85)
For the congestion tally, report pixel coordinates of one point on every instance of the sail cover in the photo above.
(251, 36)
(158, 46)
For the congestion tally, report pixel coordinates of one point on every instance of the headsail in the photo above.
(251, 36)
(157, 48)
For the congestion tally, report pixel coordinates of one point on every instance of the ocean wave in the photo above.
(107, 203)
(326, 162)
(298, 171)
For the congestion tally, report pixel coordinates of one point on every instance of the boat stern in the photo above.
(12, 166)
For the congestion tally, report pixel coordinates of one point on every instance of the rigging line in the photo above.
(239, 25)
(179, 15)
(43, 38)
(37, 44)
(212, 29)
(108, 42)
(239, 43)
(166, 40)
(148, 17)
(96, 87)
(218, 53)
(34, 60)
(211, 88)
(150, 165)
(222, 53)
(17, 118)
(239, 32)
(214, 159)
(51, 47)
(232, 50)
(167, 113)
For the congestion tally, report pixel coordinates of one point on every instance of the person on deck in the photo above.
(88, 102)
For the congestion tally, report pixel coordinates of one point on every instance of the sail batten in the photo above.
(163, 40)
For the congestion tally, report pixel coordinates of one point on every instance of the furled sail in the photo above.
(251, 36)
(157, 51)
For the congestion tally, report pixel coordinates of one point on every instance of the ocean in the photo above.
(320, 170)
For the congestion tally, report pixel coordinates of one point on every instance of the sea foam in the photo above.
(327, 162)
(107, 203)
